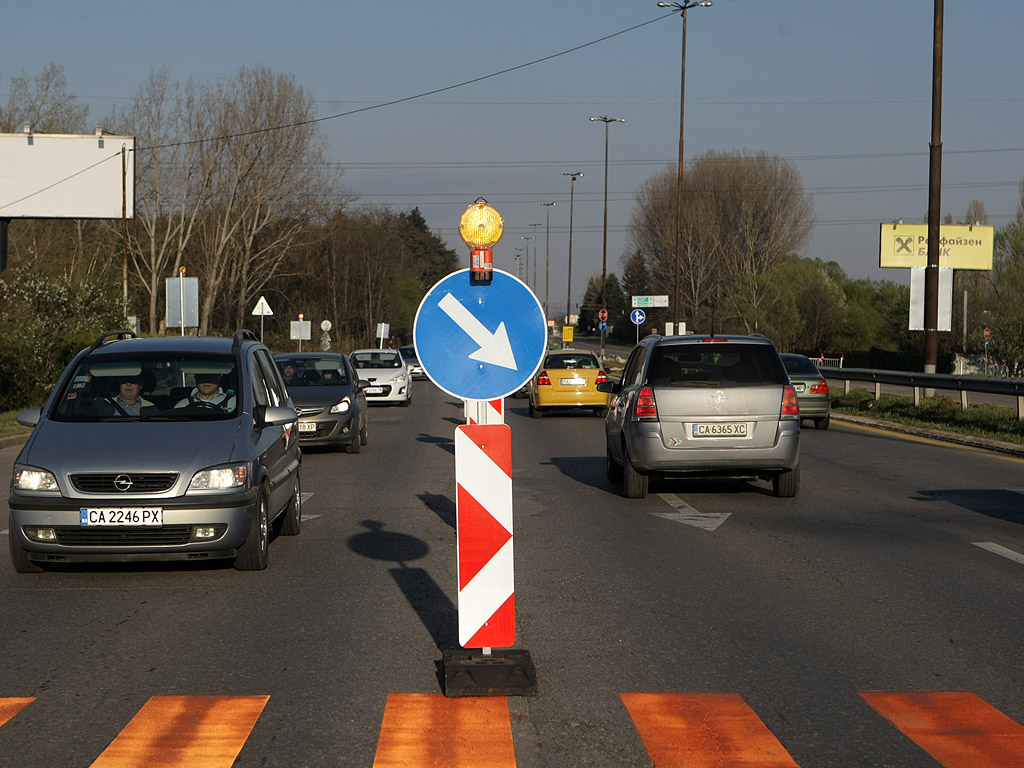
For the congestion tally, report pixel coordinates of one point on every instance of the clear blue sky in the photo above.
(842, 90)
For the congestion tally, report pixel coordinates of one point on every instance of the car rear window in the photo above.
(571, 361)
(716, 365)
(321, 372)
(376, 360)
(799, 364)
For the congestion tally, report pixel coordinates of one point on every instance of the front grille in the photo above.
(168, 535)
(114, 482)
(309, 410)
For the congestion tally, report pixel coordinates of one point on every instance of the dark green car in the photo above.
(811, 389)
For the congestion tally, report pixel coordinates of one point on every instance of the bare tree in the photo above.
(44, 103)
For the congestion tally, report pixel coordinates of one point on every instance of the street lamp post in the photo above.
(682, 8)
(572, 197)
(530, 237)
(604, 250)
(535, 255)
(547, 256)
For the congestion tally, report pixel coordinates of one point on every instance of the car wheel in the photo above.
(253, 555)
(600, 412)
(611, 467)
(822, 423)
(19, 555)
(355, 446)
(534, 411)
(786, 484)
(291, 520)
(363, 436)
(634, 484)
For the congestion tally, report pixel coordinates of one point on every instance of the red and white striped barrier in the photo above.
(483, 479)
(485, 411)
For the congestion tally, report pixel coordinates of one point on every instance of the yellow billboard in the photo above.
(960, 246)
(567, 333)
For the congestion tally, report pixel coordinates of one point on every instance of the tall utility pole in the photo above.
(535, 256)
(572, 196)
(682, 8)
(931, 274)
(547, 267)
(604, 250)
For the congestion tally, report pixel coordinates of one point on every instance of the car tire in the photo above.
(786, 484)
(534, 412)
(822, 423)
(253, 554)
(291, 520)
(611, 467)
(364, 437)
(355, 446)
(19, 555)
(634, 484)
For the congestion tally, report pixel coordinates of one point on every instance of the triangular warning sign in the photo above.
(262, 308)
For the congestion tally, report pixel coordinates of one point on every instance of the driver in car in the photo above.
(207, 391)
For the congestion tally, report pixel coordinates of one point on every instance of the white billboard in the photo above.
(71, 176)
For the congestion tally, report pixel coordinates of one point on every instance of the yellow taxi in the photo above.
(568, 379)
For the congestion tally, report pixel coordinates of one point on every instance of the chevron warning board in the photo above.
(483, 479)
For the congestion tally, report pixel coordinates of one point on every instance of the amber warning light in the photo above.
(481, 228)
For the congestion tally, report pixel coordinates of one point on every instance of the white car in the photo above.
(389, 377)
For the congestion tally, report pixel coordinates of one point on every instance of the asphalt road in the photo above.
(897, 570)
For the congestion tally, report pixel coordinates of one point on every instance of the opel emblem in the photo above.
(123, 483)
(719, 396)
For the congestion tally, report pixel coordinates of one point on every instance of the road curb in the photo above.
(7, 442)
(996, 446)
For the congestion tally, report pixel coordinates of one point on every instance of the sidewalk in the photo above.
(997, 446)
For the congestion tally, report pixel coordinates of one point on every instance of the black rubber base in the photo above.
(500, 673)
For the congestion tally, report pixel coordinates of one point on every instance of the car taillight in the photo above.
(542, 378)
(789, 403)
(821, 388)
(602, 378)
(645, 407)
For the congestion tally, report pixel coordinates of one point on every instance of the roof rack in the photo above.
(124, 333)
(241, 335)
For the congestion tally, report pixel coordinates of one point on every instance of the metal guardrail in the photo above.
(932, 381)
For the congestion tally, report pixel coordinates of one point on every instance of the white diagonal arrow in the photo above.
(494, 347)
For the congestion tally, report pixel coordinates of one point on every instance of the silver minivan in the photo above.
(172, 448)
(703, 405)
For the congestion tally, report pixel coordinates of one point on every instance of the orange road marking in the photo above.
(432, 731)
(709, 730)
(180, 731)
(10, 707)
(959, 730)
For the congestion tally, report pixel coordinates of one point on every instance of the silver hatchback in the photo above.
(703, 405)
(158, 449)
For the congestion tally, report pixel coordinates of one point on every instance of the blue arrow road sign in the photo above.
(638, 316)
(480, 342)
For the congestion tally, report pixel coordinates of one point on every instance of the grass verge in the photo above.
(988, 421)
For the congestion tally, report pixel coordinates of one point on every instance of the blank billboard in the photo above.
(50, 175)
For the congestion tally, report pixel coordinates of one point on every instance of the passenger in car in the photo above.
(128, 401)
(208, 391)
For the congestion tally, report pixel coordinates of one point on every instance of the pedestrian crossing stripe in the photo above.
(957, 729)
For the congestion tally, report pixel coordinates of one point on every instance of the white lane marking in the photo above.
(687, 515)
(1009, 554)
(304, 516)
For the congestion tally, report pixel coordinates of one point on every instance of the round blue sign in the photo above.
(638, 316)
(480, 342)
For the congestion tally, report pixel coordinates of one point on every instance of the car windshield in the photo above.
(715, 365)
(799, 364)
(150, 386)
(576, 360)
(381, 359)
(409, 353)
(312, 372)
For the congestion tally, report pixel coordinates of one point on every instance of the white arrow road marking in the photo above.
(494, 347)
(1009, 554)
(687, 515)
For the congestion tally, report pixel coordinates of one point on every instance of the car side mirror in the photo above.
(278, 416)
(29, 417)
(362, 384)
(610, 387)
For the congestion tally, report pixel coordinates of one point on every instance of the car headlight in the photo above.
(33, 479)
(400, 379)
(219, 478)
(341, 407)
